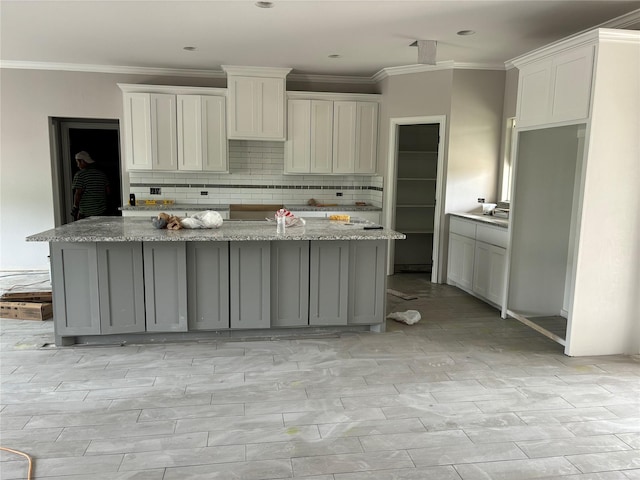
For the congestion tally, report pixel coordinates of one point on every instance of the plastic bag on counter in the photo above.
(206, 219)
(409, 316)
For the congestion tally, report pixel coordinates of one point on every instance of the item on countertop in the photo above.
(361, 204)
(205, 219)
(164, 220)
(340, 217)
(132, 199)
(290, 220)
(488, 208)
(314, 203)
(409, 316)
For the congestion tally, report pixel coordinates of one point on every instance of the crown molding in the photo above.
(420, 68)
(77, 67)
(363, 97)
(304, 77)
(623, 21)
(256, 71)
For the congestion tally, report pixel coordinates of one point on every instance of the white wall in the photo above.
(29, 97)
(475, 130)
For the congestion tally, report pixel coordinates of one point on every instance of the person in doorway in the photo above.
(91, 188)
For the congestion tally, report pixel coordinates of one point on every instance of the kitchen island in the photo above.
(120, 280)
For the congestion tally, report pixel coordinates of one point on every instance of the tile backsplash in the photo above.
(256, 176)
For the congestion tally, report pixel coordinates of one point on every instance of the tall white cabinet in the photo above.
(575, 241)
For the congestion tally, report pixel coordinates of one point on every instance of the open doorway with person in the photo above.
(100, 139)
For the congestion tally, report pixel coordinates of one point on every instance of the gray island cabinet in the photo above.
(120, 280)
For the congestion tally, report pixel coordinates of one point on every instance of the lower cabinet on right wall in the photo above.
(477, 259)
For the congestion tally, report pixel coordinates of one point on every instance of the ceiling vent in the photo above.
(427, 50)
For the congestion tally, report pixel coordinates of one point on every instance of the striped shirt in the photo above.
(93, 183)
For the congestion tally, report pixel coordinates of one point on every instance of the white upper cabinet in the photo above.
(256, 102)
(555, 87)
(366, 137)
(331, 133)
(344, 136)
(150, 131)
(202, 141)
(174, 128)
(309, 145)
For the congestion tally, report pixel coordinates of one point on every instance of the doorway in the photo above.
(101, 139)
(415, 191)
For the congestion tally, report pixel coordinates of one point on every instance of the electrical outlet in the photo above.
(154, 191)
(338, 194)
(480, 200)
(204, 192)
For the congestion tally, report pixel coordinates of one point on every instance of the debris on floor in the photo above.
(401, 295)
(409, 316)
(26, 305)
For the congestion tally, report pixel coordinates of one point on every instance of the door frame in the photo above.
(61, 158)
(389, 200)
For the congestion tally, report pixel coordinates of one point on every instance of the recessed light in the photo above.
(334, 55)
(464, 33)
(190, 49)
(264, 4)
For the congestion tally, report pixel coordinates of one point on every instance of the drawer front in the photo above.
(465, 228)
(493, 235)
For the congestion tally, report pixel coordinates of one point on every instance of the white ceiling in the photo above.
(368, 35)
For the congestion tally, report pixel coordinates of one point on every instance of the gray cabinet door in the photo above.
(328, 282)
(208, 285)
(289, 283)
(249, 277)
(165, 286)
(367, 281)
(121, 282)
(76, 304)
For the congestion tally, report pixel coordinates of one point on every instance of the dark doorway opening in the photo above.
(101, 139)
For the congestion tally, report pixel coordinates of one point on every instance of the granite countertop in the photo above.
(335, 208)
(177, 206)
(500, 222)
(225, 208)
(132, 229)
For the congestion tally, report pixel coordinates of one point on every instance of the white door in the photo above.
(215, 150)
(298, 143)
(321, 136)
(163, 132)
(366, 137)
(189, 109)
(344, 136)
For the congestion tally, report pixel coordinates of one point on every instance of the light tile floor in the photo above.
(460, 395)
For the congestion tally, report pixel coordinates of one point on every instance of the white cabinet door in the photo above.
(556, 89)
(321, 136)
(298, 144)
(571, 90)
(366, 137)
(189, 110)
(309, 145)
(163, 131)
(256, 108)
(534, 94)
(344, 136)
(461, 261)
(202, 142)
(489, 272)
(137, 131)
(215, 156)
